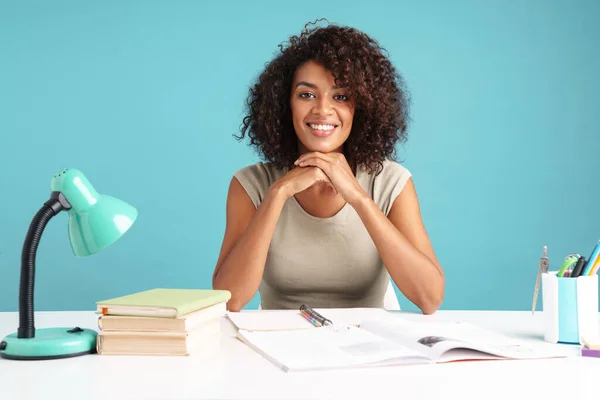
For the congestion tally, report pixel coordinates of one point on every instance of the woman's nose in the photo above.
(323, 106)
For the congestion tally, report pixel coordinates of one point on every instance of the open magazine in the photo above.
(389, 341)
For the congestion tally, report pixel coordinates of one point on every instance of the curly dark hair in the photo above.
(357, 62)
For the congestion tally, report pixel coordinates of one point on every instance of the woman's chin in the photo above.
(310, 146)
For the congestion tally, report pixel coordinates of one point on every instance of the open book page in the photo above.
(328, 347)
(452, 341)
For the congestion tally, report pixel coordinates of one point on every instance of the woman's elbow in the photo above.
(432, 303)
(429, 309)
(235, 304)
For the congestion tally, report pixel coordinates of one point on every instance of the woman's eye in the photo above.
(306, 95)
(341, 97)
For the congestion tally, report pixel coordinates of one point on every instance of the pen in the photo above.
(592, 260)
(595, 268)
(569, 262)
(314, 317)
(578, 267)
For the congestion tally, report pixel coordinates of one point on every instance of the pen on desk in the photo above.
(314, 317)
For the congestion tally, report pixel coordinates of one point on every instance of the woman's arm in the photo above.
(405, 248)
(400, 238)
(248, 233)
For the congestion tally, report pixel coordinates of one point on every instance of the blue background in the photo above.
(144, 97)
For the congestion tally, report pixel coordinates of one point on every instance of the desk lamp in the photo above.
(94, 222)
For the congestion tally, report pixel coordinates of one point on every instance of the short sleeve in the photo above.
(256, 180)
(388, 185)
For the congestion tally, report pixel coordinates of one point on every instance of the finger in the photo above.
(335, 160)
(329, 164)
(340, 160)
(311, 155)
(316, 162)
(322, 176)
(321, 157)
(340, 157)
(304, 156)
(320, 165)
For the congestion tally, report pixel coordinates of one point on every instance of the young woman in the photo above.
(329, 217)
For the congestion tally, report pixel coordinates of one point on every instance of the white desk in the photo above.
(236, 371)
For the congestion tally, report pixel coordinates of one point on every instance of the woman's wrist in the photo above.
(360, 200)
(278, 193)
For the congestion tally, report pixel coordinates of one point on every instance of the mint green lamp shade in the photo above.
(95, 221)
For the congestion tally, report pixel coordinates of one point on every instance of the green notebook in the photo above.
(160, 302)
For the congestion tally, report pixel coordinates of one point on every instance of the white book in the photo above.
(204, 340)
(188, 322)
(389, 341)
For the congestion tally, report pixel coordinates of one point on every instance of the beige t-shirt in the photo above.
(323, 262)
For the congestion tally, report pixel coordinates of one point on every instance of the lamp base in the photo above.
(49, 344)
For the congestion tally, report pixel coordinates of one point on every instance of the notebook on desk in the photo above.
(388, 341)
(162, 302)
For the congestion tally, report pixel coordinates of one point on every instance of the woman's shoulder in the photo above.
(388, 183)
(257, 178)
(261, 171)
(390, 170)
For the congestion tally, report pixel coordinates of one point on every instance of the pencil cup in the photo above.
(570, 307)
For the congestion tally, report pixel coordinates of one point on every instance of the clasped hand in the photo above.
(337, 173)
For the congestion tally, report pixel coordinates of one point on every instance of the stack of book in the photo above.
(161, 322)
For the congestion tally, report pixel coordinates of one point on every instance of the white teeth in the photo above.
(322, 127)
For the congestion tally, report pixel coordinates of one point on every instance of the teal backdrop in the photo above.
(145, 96)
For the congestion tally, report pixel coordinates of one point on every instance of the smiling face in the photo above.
(322, 112)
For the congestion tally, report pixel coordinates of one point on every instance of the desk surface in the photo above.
(236, 371)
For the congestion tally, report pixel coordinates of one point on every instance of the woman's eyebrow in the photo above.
(304, 83)
(313, 86)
